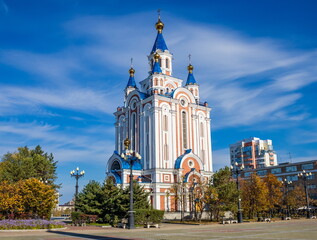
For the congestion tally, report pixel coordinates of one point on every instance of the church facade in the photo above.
(167, 125)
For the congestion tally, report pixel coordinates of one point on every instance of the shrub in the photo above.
(147, 216)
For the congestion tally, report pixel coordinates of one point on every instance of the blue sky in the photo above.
(64, 65)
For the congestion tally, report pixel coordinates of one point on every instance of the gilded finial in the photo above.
(159, 25)
(190, 66)
(126, 143)
(156, 57)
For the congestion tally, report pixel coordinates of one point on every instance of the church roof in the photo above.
(191, 79)
(159, 43)
(131, 82)
(156, 68)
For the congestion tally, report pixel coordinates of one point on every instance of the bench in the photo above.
(229, 221)
(148, 225)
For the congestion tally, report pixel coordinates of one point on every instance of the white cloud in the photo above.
(220, 158)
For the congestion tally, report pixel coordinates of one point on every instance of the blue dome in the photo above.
(159, 43)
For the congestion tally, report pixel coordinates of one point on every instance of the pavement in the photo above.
(291, 230)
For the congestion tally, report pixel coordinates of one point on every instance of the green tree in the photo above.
(254, 196)
(114, 203)
(28, 163)
(140, 196)
(90, 198)
(225, 193)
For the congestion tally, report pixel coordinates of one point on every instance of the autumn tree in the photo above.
(28, 163)
(38, 198)
(254, 196)
(296, 198)
(11, 200)
(275, 195)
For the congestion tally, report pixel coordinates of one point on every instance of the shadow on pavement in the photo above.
(87, 236)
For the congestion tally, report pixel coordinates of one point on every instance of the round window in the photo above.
(183, 102)
(190, 163)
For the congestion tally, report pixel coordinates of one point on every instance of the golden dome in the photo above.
(190, 68)
(159, 26)
(131, 71)
(156, 57)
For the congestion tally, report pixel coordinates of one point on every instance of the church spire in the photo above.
(131, 82)
(159, 41)
(190, 78)
(156, 66)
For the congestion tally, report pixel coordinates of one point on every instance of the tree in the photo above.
(89, 199)
(38, 198)
(225, 193)
(275, 195)
(11, 200)
(254, 196)
(296, 198)
(114, 203)
(28, 163)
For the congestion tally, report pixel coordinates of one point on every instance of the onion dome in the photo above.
(131, 82)
(190, 79)
(156, 66)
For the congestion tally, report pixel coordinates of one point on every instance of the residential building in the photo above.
(253, 153)
(290, 171)
(167, 125)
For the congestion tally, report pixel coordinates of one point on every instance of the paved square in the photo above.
(294, 229)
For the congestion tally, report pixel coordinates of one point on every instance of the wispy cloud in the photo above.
(4, 7)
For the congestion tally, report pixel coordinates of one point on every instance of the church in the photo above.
(167, 125)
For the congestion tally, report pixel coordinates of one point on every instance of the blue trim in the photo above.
(117, 176)
(126, 165)
(159, 43)
(180, 158)
(131, 82)
(191, 79)
(156, 68)
(187, 175)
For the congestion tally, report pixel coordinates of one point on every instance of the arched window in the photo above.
(202, 130)
(133, 131)
(165, 123)
(147, 141)
(184, 129)
(115, 165)
(160, 62)
(167, 63)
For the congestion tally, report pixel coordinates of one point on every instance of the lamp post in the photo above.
(76, 174)
(131, 157)
(237, 170)
(305, 175)
(286, 184)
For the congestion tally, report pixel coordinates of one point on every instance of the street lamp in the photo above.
(305, 175)
(286, 184)
(76, 174)
(131, 157)
(237, 170)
